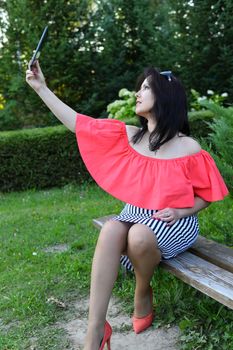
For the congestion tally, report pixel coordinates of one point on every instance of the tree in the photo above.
(203, 43)
(97, 47)
(25, 22)
(93, 50)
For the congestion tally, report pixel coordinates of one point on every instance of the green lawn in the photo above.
(35, 220)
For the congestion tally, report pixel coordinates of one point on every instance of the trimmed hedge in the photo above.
(40, 158)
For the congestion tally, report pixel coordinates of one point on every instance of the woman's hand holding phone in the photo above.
(35, 77)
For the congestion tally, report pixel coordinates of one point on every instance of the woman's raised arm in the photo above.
(64, 113)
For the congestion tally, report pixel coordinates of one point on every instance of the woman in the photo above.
(159, 171)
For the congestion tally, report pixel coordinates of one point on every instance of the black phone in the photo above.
(36, 53)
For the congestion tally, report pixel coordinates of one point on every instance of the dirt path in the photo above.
(123, 337)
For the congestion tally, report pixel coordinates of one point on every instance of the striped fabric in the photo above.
(172, 240)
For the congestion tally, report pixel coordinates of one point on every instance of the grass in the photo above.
(30, 277)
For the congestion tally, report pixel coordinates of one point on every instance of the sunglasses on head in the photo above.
(167, 74)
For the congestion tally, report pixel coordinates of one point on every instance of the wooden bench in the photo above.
(207, 266)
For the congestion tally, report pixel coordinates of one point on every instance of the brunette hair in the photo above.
(169, 110)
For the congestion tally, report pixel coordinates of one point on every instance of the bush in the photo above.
(220, 139)
(8, 119)
(211, 96)
(39, 158)
(199, 116)
(199, 123)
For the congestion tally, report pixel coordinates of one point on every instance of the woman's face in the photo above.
(144, 100)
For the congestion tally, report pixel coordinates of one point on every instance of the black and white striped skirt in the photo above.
(172, 240)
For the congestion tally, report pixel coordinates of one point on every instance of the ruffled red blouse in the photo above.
(143, 181)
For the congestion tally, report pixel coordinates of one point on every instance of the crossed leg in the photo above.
(115, 238)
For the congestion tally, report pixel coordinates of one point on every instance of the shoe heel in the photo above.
(107, 345)
(106, 339)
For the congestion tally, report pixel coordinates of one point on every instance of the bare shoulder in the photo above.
(191, 145)
(131, 130)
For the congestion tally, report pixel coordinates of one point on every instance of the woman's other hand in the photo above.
(35, 77)
(169, 215)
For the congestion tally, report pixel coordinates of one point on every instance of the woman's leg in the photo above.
(145, 255)
(111, 243)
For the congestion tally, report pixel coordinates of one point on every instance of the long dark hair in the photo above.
(169, 110)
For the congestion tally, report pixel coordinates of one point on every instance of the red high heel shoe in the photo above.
(107, 336)
(142, 323)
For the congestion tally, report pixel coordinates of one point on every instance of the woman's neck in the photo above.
(151, 125)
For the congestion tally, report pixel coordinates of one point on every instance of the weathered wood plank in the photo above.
(213, 252)
(203, 275)
(99, 222)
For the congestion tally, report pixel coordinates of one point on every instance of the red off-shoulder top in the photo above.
(143, 181)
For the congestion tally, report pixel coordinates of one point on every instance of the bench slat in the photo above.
(214, 252)
(100, 221)
(202, 275)
(208, 277)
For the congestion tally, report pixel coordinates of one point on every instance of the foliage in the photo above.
(2, 102)
(39, 158)
(92, 50)
(201, 117)
(95, 47)
(202, 45)
(220, 140)
(22, 36)
(199, 125)
(211, 96)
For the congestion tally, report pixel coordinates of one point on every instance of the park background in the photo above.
(94, 50)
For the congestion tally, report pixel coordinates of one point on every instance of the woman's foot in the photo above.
(143, 302)
(98, 338)
(94, 337)
(143, 316)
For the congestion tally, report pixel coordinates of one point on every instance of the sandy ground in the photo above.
(164, 338)
(123, 336)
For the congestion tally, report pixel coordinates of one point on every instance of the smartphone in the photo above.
(36, 53)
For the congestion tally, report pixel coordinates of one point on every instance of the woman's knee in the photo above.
(141, 241)
(113, 232)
